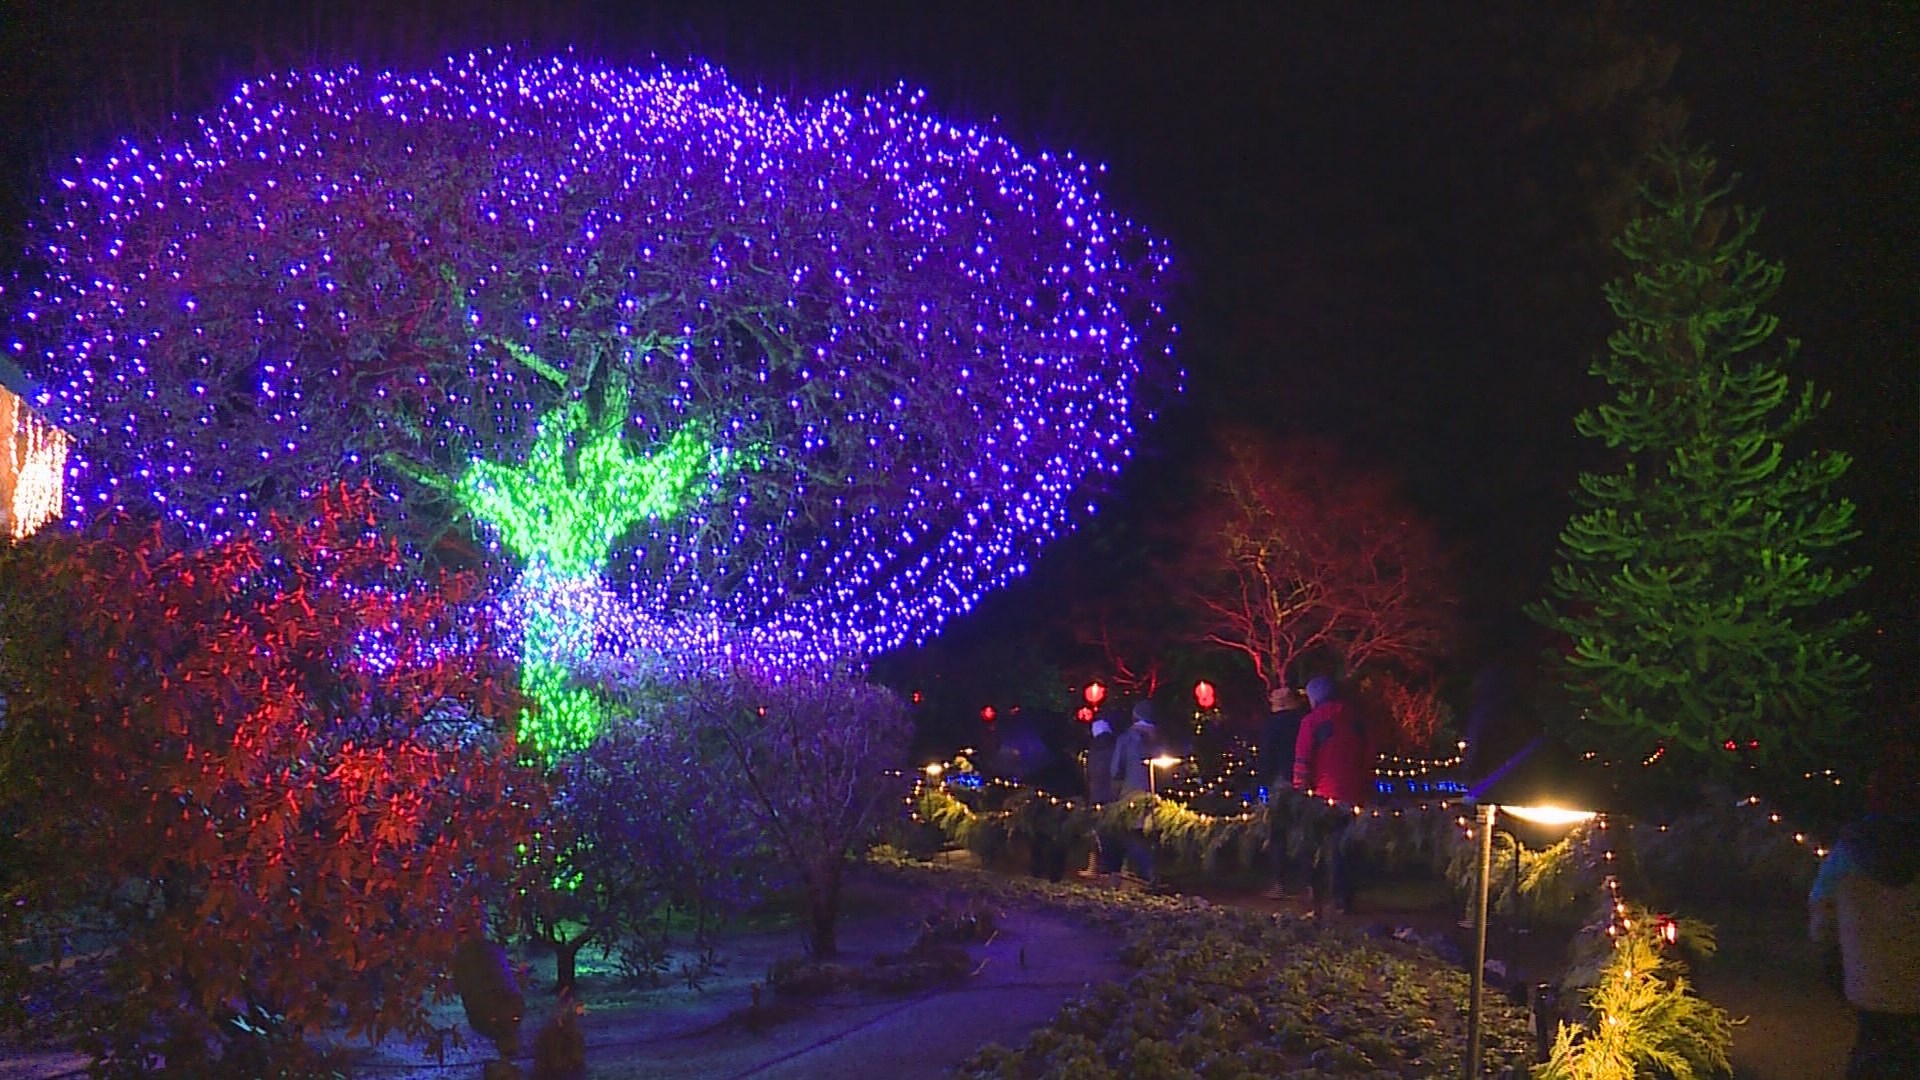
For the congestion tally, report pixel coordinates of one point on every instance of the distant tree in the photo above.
(256, 773)
(1695, 586)
(1307, 561)
(819, 757)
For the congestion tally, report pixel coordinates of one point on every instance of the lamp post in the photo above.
(1154, 765)
(1534, 786)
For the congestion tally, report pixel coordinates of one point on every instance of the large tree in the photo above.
(892, 351)
(1306, 564)
(1697, 584)
(271, 783)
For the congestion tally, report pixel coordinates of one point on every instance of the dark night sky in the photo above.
(1389, 218)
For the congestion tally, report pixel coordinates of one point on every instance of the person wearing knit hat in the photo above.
(1138, 743)
(1865, 903)
(1333, 758)
(1105, 857)
(1131, 752)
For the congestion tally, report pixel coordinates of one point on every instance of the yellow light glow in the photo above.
(36, 465)
(1549, 815)
(1164, 761)
(936, 769)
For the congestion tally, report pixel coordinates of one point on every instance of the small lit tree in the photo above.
(649, 821)
(1305, 559)
(819, 757)
(1696, 585)
(281, 782)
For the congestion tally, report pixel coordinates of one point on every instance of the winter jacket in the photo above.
(1130, 754)
(1867, 898)
(1333, 755)
(1276, 747)
(1100, 786)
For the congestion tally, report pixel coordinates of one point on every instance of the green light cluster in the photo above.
(582, 488)
(566, 717)
(579, 491)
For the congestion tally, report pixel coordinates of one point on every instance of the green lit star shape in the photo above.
(583, 487)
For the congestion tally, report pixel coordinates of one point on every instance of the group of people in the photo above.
(1315, 742)
(1117, 766)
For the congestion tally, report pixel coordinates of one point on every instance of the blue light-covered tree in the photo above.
(934, 344)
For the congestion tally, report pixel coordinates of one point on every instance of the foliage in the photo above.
(1645, 1018)
(647, 823)
(1318, 567)
(1208, 843)
(1232, 993)
(818, 756)
(1696, 583)
(274, 785)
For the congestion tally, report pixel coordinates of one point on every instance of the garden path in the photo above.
(1024, 974)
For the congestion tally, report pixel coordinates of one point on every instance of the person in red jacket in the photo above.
(1333, 758)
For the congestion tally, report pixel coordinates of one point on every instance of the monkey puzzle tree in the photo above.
(263, 770)
(1696, 586)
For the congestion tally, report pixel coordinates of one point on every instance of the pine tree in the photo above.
(1697, 583)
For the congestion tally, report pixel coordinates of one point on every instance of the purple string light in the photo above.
(934, 344)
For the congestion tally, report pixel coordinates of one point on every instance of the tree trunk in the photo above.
(564, 954)
(823, 910)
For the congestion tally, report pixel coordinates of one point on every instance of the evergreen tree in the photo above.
(1697, 582)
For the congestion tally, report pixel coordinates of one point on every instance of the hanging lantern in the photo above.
(1204, 695)
(917, 698)
(987, 714)
(1085, 714)
(1095, 693)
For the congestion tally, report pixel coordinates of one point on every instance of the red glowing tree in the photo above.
(277, 781)
(1314, 563)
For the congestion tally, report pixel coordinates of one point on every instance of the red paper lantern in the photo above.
(1085, 715)
(1204, 694)
(987, 714)
(1095, 693)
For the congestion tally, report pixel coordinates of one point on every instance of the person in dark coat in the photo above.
(1101, 791)
(1138, 745)
(1289, 705)
(1100, 786)
(1055, 776)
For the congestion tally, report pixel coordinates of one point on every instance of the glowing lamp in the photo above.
(987, 714)
(1546, 786)
(1154, 765)
(1095, 693)
(1204, 694)
(934, 770)
(1084, 714)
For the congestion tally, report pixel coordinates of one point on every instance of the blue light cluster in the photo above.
(931, 343)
